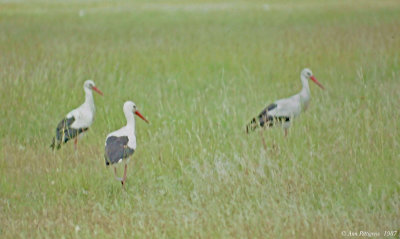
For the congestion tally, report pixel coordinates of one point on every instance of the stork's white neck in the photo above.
(305, 93)
(89, 98)
(306, 87)
(130, 120)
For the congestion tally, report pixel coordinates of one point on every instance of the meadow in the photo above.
(199, 71)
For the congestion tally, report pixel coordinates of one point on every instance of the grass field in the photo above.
(199, 71)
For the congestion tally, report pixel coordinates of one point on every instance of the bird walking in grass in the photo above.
(78, 120)
(121, 144)
(282, 111)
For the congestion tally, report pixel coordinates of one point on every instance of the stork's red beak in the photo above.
(97, 90)
(317, 82)
(141, 116)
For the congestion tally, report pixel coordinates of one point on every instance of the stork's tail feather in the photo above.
(106, 159)
(252, 125)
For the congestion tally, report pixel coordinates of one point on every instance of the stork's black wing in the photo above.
(265, 120)
(117, 149)
(64, 132)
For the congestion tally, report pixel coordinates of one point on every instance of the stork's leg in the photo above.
(115, 173)
(286, 132)
(262, 138)
(76, 143)
(124, 178)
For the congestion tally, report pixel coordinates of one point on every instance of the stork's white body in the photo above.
(292, 106)
(78, 120)
(121, 144)
(84, 114)
(284, 110)
(129, 131)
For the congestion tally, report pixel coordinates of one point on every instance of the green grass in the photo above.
(199, 71)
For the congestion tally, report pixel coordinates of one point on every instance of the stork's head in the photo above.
(89, 84)
(129, 107)
(307, 74)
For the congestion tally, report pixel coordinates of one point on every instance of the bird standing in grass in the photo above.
(284, 110)
(121, 144)
(78, 120)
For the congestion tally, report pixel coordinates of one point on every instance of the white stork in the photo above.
(121, 144)
(284, 110)
(78, 120)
